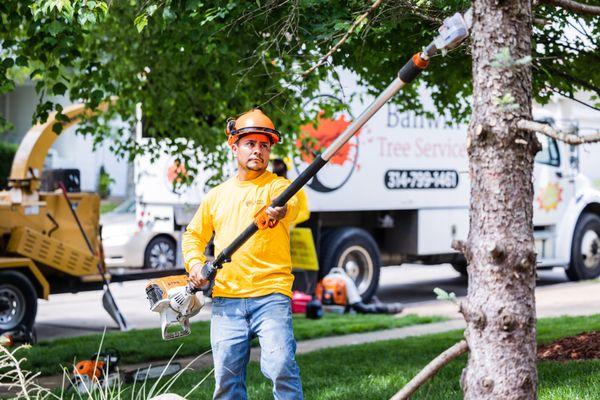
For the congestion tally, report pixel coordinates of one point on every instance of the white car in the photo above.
(130, 243)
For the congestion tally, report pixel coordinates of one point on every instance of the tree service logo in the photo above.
(315, 137)
(549, 197)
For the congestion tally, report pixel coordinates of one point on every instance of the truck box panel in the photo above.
(51, 252)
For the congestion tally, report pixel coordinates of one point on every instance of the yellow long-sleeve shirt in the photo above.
(263, 264)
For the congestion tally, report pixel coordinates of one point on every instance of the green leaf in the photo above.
(57, 128)
(8, 62)
(97, 95)
(140, 22)
(103, 7)
(443, 295)
(22, 61)
(59, 89)
(151, 9)
(62, 117)
(168, 14)
(55, 28)
(523, 61)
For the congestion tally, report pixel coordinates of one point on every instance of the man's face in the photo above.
(252, 151)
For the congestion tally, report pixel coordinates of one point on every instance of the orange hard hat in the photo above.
(253, 121)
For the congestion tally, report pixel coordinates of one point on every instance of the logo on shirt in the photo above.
(250, 203)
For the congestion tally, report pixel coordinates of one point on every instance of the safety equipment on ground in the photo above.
(314, 309)
(339, 292)
(176, 300)
(20, 335)
(99, 371)
(102, 371)
(253, 121)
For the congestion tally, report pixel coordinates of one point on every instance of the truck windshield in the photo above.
(549, 152)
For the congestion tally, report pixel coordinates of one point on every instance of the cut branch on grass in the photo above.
(574, 6)
(562, 136)
(356, 23)
(431, 369)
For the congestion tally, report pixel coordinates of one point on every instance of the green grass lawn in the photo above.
(147, 345)
(378, 370)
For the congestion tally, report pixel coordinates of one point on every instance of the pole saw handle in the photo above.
(208, 272)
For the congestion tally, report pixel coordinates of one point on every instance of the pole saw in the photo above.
(176, 300)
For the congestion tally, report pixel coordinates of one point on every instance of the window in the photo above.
(549, 152)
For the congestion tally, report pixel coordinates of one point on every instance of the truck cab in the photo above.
(566, 212)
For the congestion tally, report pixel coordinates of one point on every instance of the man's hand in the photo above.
(277, 213)
(196, 276)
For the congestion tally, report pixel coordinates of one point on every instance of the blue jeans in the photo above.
(234, 323)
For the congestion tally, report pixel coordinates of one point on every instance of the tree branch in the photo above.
(575, 6)
(431, 369)
(573, 79)
(344, 38)
(547, 130)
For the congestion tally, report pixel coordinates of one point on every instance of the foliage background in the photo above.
(192, 64)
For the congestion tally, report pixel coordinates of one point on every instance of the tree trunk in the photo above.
(500, 305)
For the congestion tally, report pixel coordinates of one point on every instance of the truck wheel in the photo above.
(354, 250)
(160, 253)
(585, 251)
(18, 301)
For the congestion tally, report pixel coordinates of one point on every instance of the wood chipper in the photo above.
(49, 241)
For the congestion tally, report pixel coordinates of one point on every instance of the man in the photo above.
(251, 294)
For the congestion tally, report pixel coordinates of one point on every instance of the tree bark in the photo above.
(500, 306)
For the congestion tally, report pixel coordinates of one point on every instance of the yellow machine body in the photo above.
(38, 228)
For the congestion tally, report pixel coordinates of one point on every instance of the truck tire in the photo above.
(160, 254)
(354, 250)
(585, 250)
(18, 301)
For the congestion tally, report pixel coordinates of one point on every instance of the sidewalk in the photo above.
(574, 298)
(578, 298)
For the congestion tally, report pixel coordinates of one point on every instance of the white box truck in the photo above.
(399, 192)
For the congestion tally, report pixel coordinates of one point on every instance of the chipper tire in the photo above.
(18, 301)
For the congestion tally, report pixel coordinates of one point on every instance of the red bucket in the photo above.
(299, 302)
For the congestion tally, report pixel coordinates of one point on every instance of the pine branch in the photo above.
(565, 137)
(344, 38)
(431, 369)
(571, 5)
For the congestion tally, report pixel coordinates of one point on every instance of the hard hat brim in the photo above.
(236, 134)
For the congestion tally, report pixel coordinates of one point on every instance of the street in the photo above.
(82, 313)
